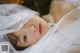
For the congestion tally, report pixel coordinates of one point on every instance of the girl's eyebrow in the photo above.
(14, 36)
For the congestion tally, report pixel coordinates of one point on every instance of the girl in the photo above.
(24, 25)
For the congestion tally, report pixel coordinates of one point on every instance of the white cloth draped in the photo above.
(13, 17)
(64, 37)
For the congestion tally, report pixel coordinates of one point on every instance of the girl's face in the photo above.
(31, 32)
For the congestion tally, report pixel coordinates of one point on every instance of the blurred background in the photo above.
(47, 7)
(42, 6)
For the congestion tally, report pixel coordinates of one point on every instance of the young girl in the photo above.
(29, 34)
(33, 30)
(35, 27)
(24, 26)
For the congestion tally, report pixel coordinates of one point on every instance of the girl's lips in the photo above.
(40, 28)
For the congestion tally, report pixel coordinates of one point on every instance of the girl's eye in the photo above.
(25, 38)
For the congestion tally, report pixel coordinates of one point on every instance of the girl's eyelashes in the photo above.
(25, 38)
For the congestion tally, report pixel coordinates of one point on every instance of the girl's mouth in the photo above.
(40, 28)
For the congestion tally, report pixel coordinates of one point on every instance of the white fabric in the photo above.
(64, 37)
(13, 17)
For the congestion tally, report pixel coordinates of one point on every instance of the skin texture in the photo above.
(31, 32)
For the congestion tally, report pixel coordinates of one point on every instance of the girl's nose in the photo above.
(33, 28)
